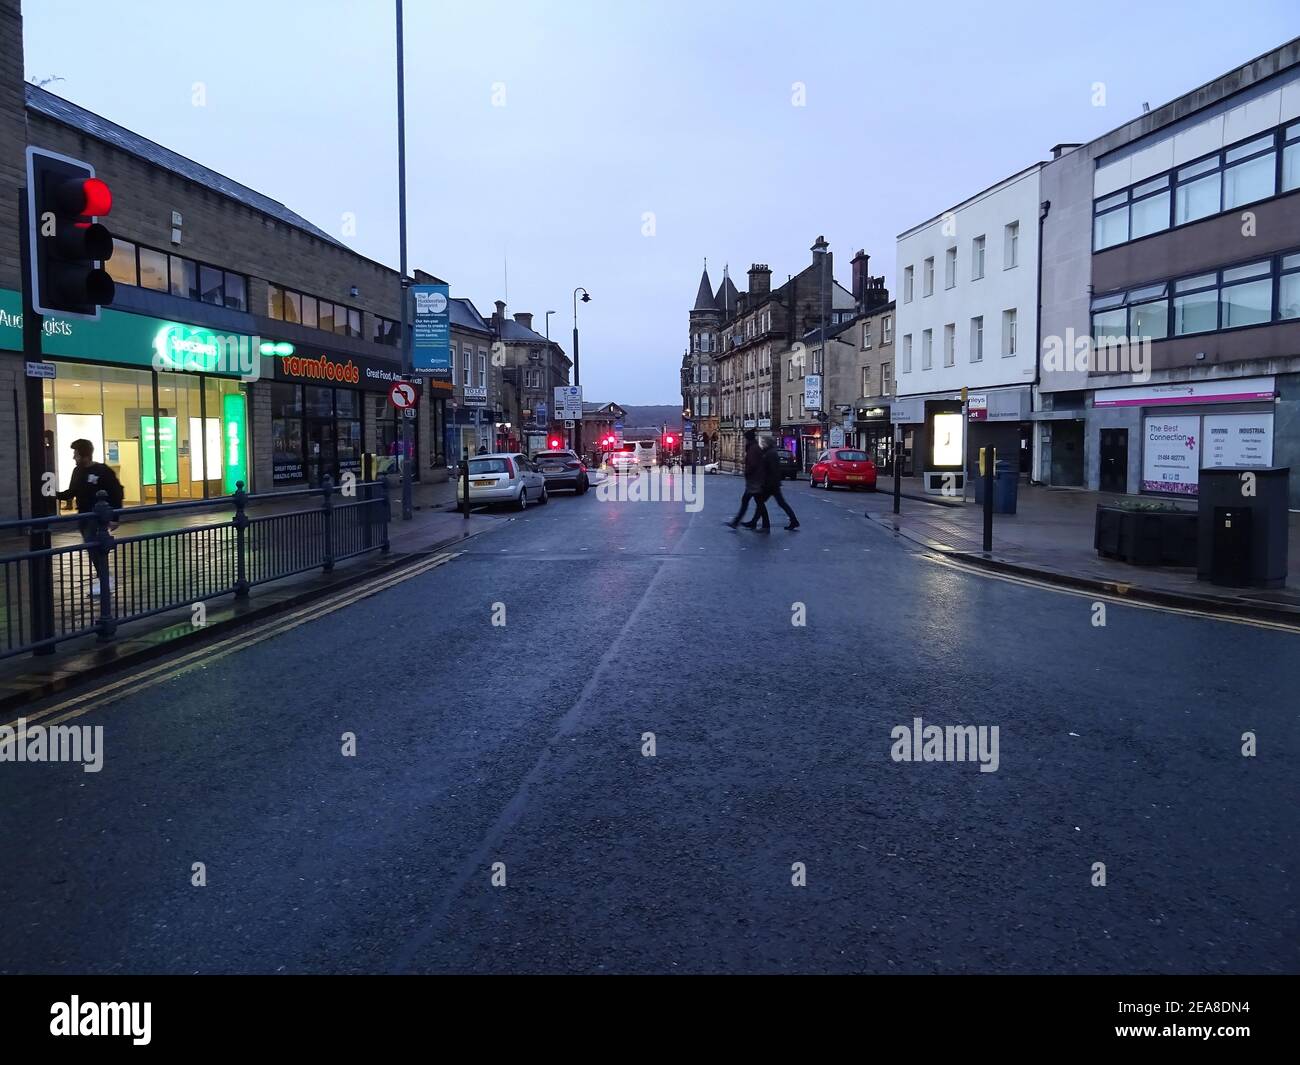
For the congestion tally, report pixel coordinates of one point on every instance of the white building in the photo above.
(967, 317)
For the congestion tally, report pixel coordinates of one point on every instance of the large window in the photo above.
(927, 349)
(286, 305)
(927, 277)
(1011, 245)
(1232, 298)
(949, 345)
(907, 353)
(950, 268)
(1242, 174)
(144, 267)
(907, 284)
(977, 258)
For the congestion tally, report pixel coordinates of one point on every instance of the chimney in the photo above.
(760, 281)
(859, 264)
(874, 293)
(826, 278)
(524, 318)
(1059, 150)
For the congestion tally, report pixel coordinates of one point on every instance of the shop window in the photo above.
(286, 433)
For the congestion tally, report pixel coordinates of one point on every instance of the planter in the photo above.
(1146, 537)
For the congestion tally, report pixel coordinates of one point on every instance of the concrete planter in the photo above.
(1146, 537)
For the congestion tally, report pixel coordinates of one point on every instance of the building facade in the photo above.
(967, 318)
(874, 371)
(1171, 291)
(699, 368)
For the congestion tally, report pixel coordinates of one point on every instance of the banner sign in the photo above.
(1238, 440)
(431, 337)
(1171, 457)
(812, 392)
(234, 435)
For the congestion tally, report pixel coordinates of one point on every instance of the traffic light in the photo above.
(669, 440)
(68, 245)
(555, 443)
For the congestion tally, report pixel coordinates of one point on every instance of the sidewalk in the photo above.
(1050, 537)
(433, 527)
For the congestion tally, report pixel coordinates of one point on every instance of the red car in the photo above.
(846, 466)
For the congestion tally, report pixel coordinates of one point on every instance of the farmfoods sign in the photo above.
(343, 371)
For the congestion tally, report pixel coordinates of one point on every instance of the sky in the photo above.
(617, 144)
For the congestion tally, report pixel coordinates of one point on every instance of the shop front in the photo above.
(874, 433)
(322, 405)
(162, 402)
(1156, 439)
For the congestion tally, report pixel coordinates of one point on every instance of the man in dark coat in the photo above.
(772, 483)
(753, 484)
(88, 479)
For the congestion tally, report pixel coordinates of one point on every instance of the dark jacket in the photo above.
(86, 483)
(771, 470)
(753, 468)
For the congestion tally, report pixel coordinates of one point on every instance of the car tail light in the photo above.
(510, 468)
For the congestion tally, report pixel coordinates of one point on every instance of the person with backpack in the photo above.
(88, 479)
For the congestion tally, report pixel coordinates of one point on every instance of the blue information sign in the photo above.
(431, 339)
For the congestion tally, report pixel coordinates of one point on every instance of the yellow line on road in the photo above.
(1031, 582)
(148, 678)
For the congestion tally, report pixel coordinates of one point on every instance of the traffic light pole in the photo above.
(408, 451)
(41, 573)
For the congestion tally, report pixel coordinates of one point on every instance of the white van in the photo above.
(647, 453)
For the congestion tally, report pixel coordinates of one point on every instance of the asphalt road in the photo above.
(522, 744)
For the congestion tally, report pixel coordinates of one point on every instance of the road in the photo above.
(522, 743)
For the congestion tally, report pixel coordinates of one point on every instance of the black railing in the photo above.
(76, 577)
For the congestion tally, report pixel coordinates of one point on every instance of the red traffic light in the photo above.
(554, 443)
(98, 197)
(668, 440)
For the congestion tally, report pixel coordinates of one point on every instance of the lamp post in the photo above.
(577, 378)
(407, 457)
(550, 392)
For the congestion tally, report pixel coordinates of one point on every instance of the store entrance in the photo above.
(322, 458)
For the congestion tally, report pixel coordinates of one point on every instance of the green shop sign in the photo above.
(234, 433)
(135, 340)
(154, 443)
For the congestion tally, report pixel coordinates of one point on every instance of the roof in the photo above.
(521, 334)
(704, 300)
(464, 315)
(92, 125)
(727, 296)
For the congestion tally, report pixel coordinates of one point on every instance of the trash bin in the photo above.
(1006, 481)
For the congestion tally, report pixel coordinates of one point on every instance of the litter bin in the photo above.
(1006, 481)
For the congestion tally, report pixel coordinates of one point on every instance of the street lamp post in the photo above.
(549, 396)
(577, 378)
(407, 457)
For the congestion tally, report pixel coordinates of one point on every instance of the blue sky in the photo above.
(615, 109)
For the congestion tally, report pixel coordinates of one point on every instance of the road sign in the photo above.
(812, 392)
(408, 412)
(568, 403)
(41, 369)
(837, 436)
(568, 425)
(402, 395)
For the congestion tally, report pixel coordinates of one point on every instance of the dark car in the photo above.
(789, 468)
(562, 469)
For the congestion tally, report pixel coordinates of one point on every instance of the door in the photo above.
(320, 450)
(1114, 460)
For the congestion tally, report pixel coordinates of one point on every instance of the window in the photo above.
(385, 331)
(1148, 312)
(927, 277)
(1196, 305)
(212, 285)
(236, 288)
(325, 316)
(1198, 191)
(866, 336)
(949, 345)
(1246, 295)
(927, 349)
(184, 277)
(886, 383)
(153, 270)
(1150, 210)
(1110, 221)
(907, 284)
(1249, 172)
(340, 320)
(1011, 245)
(293, 307)
(950, 268)
(977, 339)
(1008, 333)
(887, 329)
(977, 258)
(789, 407)
(907, 353)
(482, 368)
(1291, 159)
(121, 267)
(1288, 289)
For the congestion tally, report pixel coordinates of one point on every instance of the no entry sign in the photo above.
(402, 395)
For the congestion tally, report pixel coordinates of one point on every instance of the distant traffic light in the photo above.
(554, 443)
(68, 245)
(669, 439)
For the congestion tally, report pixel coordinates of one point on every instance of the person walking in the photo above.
(753, 485)
(772, 483)
(88, 478)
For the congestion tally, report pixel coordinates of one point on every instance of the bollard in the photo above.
(986, 472)
(464, 481)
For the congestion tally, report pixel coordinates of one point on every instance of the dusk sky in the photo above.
(613, 110)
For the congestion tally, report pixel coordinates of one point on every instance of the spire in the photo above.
(704, 297)
(726, 298)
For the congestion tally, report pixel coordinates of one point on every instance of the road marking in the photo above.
(118, 689)
(1119, 600)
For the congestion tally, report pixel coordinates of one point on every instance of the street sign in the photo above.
(837, 436)
(812, 392)
(475, 396)
(568, 425)
(568, 402)
(408, 412)
(41, 369)
(402, 395)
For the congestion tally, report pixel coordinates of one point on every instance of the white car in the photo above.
(505, 477)
(624, 459)
(710, 467)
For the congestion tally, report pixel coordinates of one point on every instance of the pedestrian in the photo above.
(88, 479)
(772, 482)
(753, 485)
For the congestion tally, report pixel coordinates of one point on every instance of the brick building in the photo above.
(200, 261)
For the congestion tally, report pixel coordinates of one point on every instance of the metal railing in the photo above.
(75, 577)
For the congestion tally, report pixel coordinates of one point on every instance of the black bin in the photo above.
(1242, 526)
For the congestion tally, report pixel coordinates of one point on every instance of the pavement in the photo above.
(617, 736)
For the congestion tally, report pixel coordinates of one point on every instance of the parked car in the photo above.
(849, 467)
(789, 467)
(625, 458)
(505, 477)
(562, 469)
